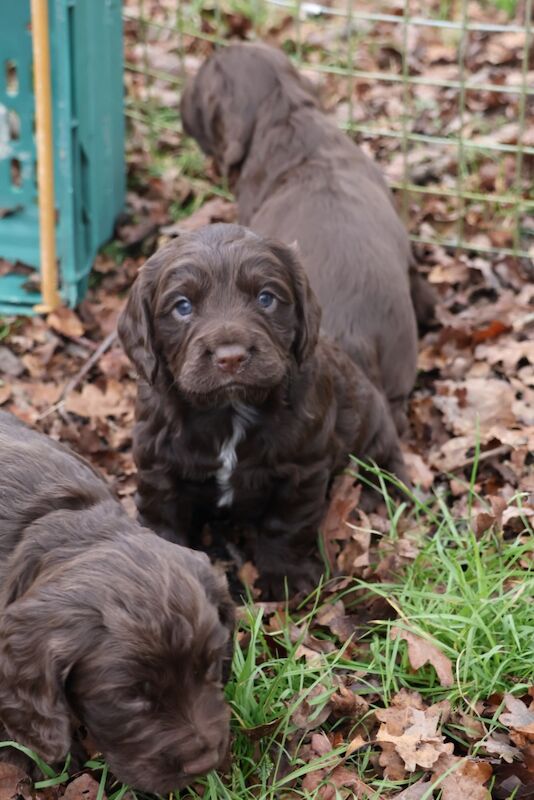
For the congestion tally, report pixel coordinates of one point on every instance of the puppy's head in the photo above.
(224, 313)
(131, 639)
(220, 106)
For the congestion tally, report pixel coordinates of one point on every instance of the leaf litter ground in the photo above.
(412, 677)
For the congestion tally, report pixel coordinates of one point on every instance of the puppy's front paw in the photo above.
(289, 579)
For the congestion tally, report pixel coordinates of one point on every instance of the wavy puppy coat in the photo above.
(242, 408)
(105, 624)
(297, 177)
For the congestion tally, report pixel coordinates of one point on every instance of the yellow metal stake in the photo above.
(45, 161)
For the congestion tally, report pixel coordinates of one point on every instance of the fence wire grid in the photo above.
(440, 92)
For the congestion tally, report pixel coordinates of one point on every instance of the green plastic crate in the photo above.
(88, 120)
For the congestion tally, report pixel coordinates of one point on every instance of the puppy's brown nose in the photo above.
(230, 357)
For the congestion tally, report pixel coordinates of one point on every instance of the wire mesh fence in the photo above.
(441, 92)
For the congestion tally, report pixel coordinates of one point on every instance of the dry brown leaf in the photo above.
(348, 703)
(306, 716)
(215, 210)
(498, 744)
(475, 406)
(14, 783)
(10, 364)
(420, 745)
(320, 743)
(518, 718)
(508, 353)
(472, 727)
(248, 575)
(345, 497)
(94, 403)
(421, 651)
(420, 474)
(354, 558)
(391, 762)
(82, 788)
(5, 393)
(65, 321)
(412, 729)
(338, 783)
(465, 779)
(414, 792)
(355, 744)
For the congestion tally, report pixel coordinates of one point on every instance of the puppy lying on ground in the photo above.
(241, 407)
(105, 624)
(297, 177)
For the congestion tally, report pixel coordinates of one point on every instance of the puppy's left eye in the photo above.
(184, 307)
(267, 300)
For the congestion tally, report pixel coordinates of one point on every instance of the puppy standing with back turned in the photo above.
(104, 624)
(296, 176)
(243, 411)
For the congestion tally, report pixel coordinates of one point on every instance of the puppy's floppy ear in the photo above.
(308, 308)
(191, 113)
(215, 584)
(35, 661)
(217, 112)
(135, 328)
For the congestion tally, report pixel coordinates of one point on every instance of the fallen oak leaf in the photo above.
(498, 744)
(338, 778)
(421, 652)
(345, 497)
(348, 703)
(83, 787)
(14, 783)
(215, 210)
(10, 364)
(321, 744)
(356, 744)
(391, 762)
(420, 745)
(248, 575)
(518, 718)
(491, 331)
(308, 715)
(64, 321)
(260, 731)
(474, 406)
(420, 474)
(5, 393)
(94, 403)
(414, 792)
(462, 778)
(472, 727)
(408, 735)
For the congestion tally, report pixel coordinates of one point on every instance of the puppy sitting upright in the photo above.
(241, 406)
(296, 176)
(104, 624)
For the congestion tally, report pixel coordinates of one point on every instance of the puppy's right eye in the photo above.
(184, 307)
(267, 300)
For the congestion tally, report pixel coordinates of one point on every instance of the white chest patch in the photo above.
(243, 417)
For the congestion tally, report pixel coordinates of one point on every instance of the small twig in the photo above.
(81, 341)
(69, 387)
(501, 450)
(104, 345)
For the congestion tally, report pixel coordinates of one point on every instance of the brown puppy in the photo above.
(241, 408)
(105, 624)
(297, 177)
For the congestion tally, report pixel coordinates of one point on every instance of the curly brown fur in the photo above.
(257, 443)
(297, 177)
(105, 624)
